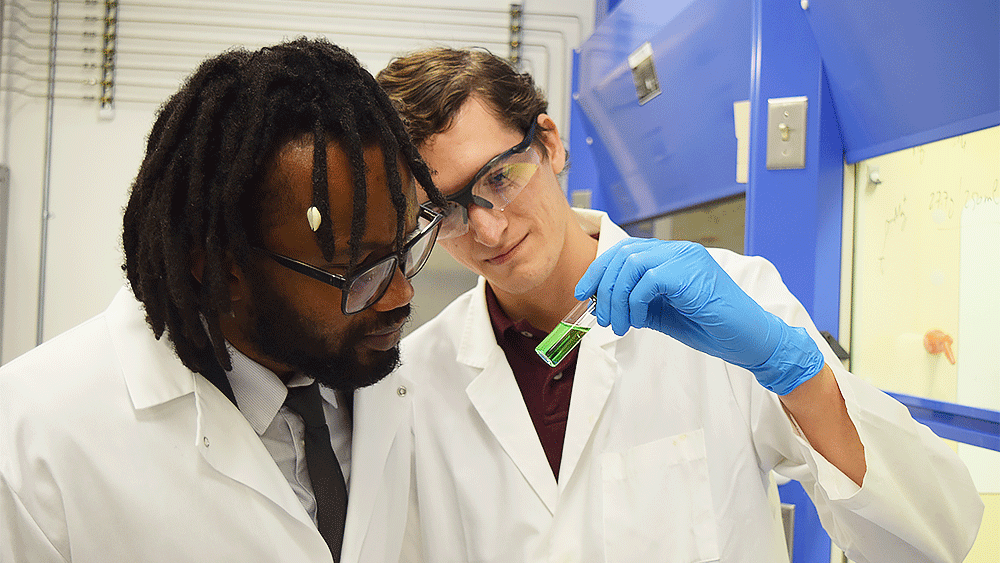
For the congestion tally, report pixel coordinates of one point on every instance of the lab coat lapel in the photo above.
(152, 373)
(223, 436)
(378, 412)
(497, 398)
(596, 373)
(596, 366)
(228, 443)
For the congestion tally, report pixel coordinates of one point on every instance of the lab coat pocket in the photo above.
(658, 503)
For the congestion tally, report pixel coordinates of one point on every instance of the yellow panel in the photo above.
(907, 258)
(987, 546)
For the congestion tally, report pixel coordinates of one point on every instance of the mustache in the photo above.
(392, 318)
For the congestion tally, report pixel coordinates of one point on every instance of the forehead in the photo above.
(290, 178)
(475, 136)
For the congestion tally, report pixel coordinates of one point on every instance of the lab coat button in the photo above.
(206, 441)
(401, 391)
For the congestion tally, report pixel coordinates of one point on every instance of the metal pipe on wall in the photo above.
(47, 163)
(4, 179)
(4, 199)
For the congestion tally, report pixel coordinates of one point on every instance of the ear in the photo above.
(548, 134)
(235, 279)
(237, 282)
(198, 264)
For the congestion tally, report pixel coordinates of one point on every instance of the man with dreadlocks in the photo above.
(269, 238)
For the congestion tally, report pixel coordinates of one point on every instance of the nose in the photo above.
(487, 225)
(400, 293)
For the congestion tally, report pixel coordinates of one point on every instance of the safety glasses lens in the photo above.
(455, 222)
(505, 179)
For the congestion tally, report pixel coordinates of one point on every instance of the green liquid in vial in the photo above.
(560, 342)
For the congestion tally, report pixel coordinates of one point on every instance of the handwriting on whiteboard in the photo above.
(974, 199)
(895, 223)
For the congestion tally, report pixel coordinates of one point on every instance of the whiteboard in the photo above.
(927, 258)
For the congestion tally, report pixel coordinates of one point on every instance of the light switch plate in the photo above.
(786, 132)
(581, 198)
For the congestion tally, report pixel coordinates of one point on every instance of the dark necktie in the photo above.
(324, 469)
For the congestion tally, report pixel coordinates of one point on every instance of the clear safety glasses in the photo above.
(494, 186)
(365, 288)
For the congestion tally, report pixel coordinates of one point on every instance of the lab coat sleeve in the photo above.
(21, 538)
(917, 502)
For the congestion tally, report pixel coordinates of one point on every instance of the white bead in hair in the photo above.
(312, 214)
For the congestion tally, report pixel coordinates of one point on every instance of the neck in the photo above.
(230, 327)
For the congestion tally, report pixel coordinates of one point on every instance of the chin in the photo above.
(384, 364)
(518, 282)
(348, 374)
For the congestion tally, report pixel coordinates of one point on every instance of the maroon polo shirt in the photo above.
(545, 389)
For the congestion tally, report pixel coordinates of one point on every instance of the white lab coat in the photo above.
(111, 450)
(667, 453)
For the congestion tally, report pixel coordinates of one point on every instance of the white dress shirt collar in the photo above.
(260, 393)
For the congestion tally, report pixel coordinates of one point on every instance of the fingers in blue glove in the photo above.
(634, 272)
(679, 289)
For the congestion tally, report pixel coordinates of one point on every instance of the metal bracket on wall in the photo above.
(516, 17)
(647, 86)
(839, 350)
(108, 59)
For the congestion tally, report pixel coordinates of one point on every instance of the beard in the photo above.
(282, 334)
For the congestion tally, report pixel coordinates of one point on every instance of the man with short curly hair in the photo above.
(655, 439)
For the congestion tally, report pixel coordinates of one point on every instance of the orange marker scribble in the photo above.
(936, 341)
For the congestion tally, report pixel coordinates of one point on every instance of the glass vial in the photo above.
(568, 334)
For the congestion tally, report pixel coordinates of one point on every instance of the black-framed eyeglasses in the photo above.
(365, 288)
(494, 186)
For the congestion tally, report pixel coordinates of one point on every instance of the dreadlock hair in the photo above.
(198, 190)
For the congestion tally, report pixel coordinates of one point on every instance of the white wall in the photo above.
(93, 160)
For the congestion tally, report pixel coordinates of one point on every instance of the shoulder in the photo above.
(51, 394)
(66, 385)
(61, 365)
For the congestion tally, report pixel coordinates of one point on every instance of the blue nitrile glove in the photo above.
(677, 288)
